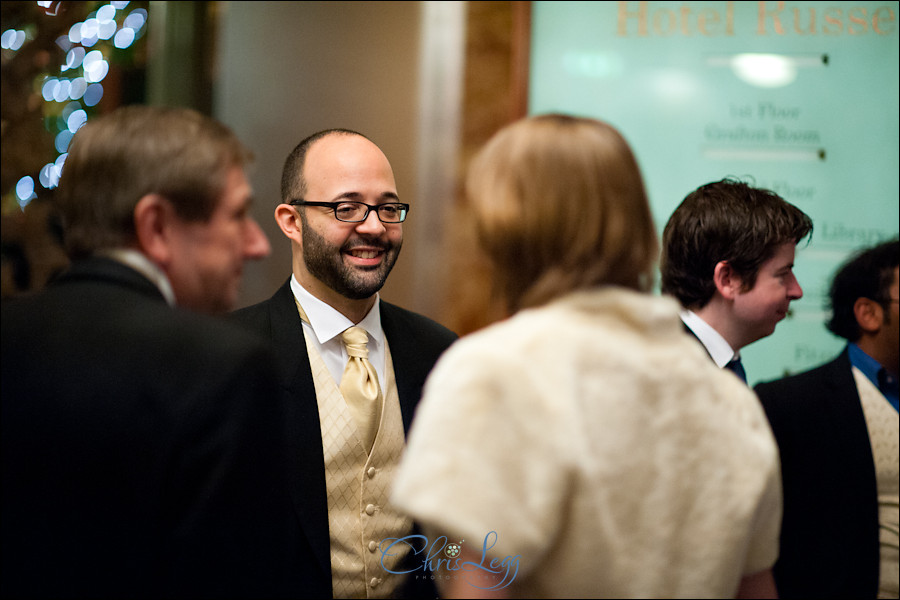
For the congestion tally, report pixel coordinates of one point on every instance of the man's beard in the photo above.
(326, 263)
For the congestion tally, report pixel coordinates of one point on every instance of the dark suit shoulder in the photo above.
(262, 317)
(805, 383)
(421, 328)
(256, 317)
(159, 417)
(789, 401)
(810, 375)
(219, 337)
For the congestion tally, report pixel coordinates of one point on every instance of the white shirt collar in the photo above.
(143, 265)
(720, 351)
(327, 323)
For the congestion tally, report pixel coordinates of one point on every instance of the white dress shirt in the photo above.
(720, 351)
(144, 266)
(326, 325)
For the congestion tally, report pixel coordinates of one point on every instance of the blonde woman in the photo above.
(584, 446)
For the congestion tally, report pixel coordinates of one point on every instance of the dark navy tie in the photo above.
(738, 369)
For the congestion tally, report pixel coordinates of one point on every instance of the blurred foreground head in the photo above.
(864, 298)
(169, 183)
(559, 205)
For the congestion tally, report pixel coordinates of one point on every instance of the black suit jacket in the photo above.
(140, 447)
(829, 536)
(415, 344)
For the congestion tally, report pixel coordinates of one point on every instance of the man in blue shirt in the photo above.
(837, 431)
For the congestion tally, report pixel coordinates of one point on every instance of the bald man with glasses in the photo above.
(352, 368)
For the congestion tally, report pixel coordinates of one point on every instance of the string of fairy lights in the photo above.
(77, 87)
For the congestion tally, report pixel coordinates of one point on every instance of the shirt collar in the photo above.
(328, 323)
(869, 367)
(143, 265)
(720, 351)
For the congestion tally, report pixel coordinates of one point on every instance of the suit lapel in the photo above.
(304, 435)
(841, 394)
(407, 362)
(836, 374)
(306, 460)
(851, 460)
(844, 410)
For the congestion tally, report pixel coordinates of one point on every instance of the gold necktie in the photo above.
(359, 386)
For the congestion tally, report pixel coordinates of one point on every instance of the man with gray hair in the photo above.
(141, 454)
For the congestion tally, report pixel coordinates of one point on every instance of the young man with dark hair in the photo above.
(837, 431)
(728, 257)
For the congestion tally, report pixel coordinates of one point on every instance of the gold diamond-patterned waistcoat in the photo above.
(358, 485)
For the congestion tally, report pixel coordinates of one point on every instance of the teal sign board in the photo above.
(797, 97)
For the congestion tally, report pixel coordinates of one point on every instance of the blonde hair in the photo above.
(559, 205)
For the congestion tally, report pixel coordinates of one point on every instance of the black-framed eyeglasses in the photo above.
(357, 212)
